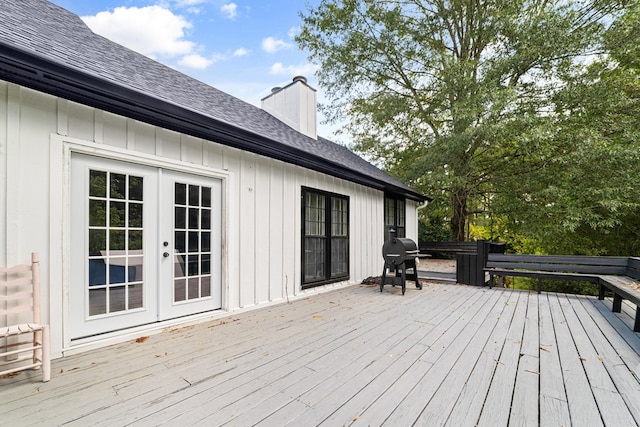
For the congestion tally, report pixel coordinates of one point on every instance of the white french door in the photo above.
(145, 245)
(191, 244)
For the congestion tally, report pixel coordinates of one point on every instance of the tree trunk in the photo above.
(459, 214)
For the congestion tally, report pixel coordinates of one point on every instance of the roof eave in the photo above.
(26, 69)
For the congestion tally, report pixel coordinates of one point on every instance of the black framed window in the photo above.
(325, 237)
(394, 216)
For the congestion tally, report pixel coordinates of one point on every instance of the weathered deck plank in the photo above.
(449, 354)
(602, 387)
(471, 399)
(496, 410)
(554, 409)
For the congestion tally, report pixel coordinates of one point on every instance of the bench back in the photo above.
(426, 247)
(633, 267)
(561, 263)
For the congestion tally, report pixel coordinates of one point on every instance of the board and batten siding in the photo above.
(261, 198)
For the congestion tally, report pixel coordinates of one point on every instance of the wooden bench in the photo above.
(619, 274)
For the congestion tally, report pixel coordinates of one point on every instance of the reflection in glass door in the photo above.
(192, 252)
(196, 225)
(113, 207)
(146, 245)
(115, 258)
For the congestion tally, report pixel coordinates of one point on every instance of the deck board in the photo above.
(554, 408)
(445, 355)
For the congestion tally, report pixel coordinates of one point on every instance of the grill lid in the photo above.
(398, 249)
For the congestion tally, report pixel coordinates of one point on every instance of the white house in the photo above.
(156, 200)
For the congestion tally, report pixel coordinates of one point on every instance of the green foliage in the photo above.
(476, 105)
(521, 117)
(550, 285)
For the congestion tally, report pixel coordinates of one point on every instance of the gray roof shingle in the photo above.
(56, 35)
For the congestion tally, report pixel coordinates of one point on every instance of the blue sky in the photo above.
(243, 47)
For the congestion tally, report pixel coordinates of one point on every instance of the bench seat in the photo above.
(623, 287)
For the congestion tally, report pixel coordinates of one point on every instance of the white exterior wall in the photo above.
(261, 196)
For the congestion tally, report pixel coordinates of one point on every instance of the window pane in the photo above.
(194, 242)
(205, 219)
(135, 296)
(193, 291)
(389, 211)
(97, 272)
(135, 215)
(135, 269)
(181, 241)
(180, 289)
(135, 240)
(180, 217)
(205, 241)
(193, 265)
(314, 254)
(97, 301)
(339, 257)
(97, 184)
(338, 217)
(205, 287)
(116, 240)
(117, 270)
(205, 264)
(179, 266)
(206, 197)
(97, 242)
(118, 186)
(194, 195)
(194, 216)
(117, 300)
(315, 215)
(135, 188)
(97, 213)
(117, 214)
(180, 194)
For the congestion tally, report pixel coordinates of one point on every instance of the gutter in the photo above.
(26, 69)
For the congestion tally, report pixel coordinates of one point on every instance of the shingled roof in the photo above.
(50, 49)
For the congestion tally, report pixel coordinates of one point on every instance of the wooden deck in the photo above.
(447, 355)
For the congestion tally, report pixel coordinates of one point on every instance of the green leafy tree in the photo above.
(583, 197)
(449, 95)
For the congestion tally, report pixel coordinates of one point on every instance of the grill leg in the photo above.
(384, 277)
(404, 279)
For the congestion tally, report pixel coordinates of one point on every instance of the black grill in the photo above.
(399, 256)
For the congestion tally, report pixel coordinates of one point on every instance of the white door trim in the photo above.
(61, 148)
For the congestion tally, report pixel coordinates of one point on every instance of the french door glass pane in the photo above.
(192, 242)
(115, 252)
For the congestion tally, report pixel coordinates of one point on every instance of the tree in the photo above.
(583, 199)
(448, 94)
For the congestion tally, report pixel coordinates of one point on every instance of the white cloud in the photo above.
(292, 70)
(293, 31)
(196, 61)
(187, 3)
(150, 30)
(241, 52)
(229, 10)
(272, 44)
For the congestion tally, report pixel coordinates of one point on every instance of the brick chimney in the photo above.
(295, 105)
